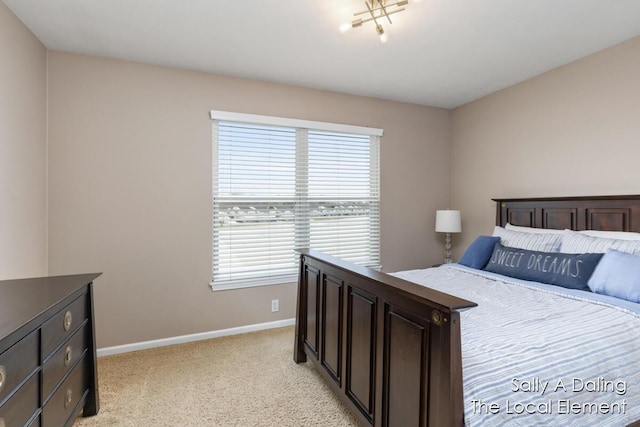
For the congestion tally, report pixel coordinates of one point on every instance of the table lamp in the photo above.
(448, 221)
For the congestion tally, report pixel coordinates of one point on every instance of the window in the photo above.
(281, 184)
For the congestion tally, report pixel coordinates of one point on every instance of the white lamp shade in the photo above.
(448, 221)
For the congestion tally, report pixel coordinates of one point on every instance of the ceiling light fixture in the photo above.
(377, 11)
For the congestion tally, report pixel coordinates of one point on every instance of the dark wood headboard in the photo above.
(612, 213)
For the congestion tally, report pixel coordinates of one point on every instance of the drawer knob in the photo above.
(67, 398)
(3, 377)
(436, 317)
(68, 318)
(68, 355)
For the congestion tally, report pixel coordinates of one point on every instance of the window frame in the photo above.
(300, 126)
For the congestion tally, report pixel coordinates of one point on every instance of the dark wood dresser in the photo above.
(47, 351)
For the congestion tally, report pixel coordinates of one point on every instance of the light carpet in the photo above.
(241, 380)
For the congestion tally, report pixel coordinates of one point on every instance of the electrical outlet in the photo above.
(275, 305)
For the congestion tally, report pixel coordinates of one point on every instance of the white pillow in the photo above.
(620, 235)
(534, 230)
(542, 242)
(574, 242)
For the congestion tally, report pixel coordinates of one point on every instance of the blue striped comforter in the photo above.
(534, 356)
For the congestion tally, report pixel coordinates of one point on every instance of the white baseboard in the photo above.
(126, 348)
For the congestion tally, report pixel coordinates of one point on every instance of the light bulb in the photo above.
(381, 34)
(345, 27)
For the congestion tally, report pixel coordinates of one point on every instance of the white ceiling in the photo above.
(440, 52)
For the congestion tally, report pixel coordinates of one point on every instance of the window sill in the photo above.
(253, 283)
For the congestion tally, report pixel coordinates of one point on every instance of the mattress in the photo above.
(541, 355)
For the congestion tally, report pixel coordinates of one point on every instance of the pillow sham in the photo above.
(617, 275)
(530, 241)
(567, 270)
(478, 253)
(574, 242)
(532, 229)
(620, 235)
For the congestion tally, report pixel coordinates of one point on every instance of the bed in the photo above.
(394, 347)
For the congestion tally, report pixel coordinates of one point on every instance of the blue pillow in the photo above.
(478, 253)
(617, 275)
(566, 270)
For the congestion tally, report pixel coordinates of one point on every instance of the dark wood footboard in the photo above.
(389, 348)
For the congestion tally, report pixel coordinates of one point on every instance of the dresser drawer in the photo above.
(60, 406)
(63, 324)
(21, 406)
(17, 363)
(60, 362)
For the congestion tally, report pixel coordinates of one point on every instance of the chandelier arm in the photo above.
(396, 11)
(384, 11)
(375, 9)
(362, 21)
(373, 15)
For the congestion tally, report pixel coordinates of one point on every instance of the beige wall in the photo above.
(572, 131)
(23, 209)
(130, 188)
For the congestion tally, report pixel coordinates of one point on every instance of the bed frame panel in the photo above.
(390, 349)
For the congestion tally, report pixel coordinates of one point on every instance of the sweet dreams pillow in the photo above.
(567, 270)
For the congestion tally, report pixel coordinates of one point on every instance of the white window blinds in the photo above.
(278, 187)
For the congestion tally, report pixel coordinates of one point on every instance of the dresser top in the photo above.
(23, 300)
